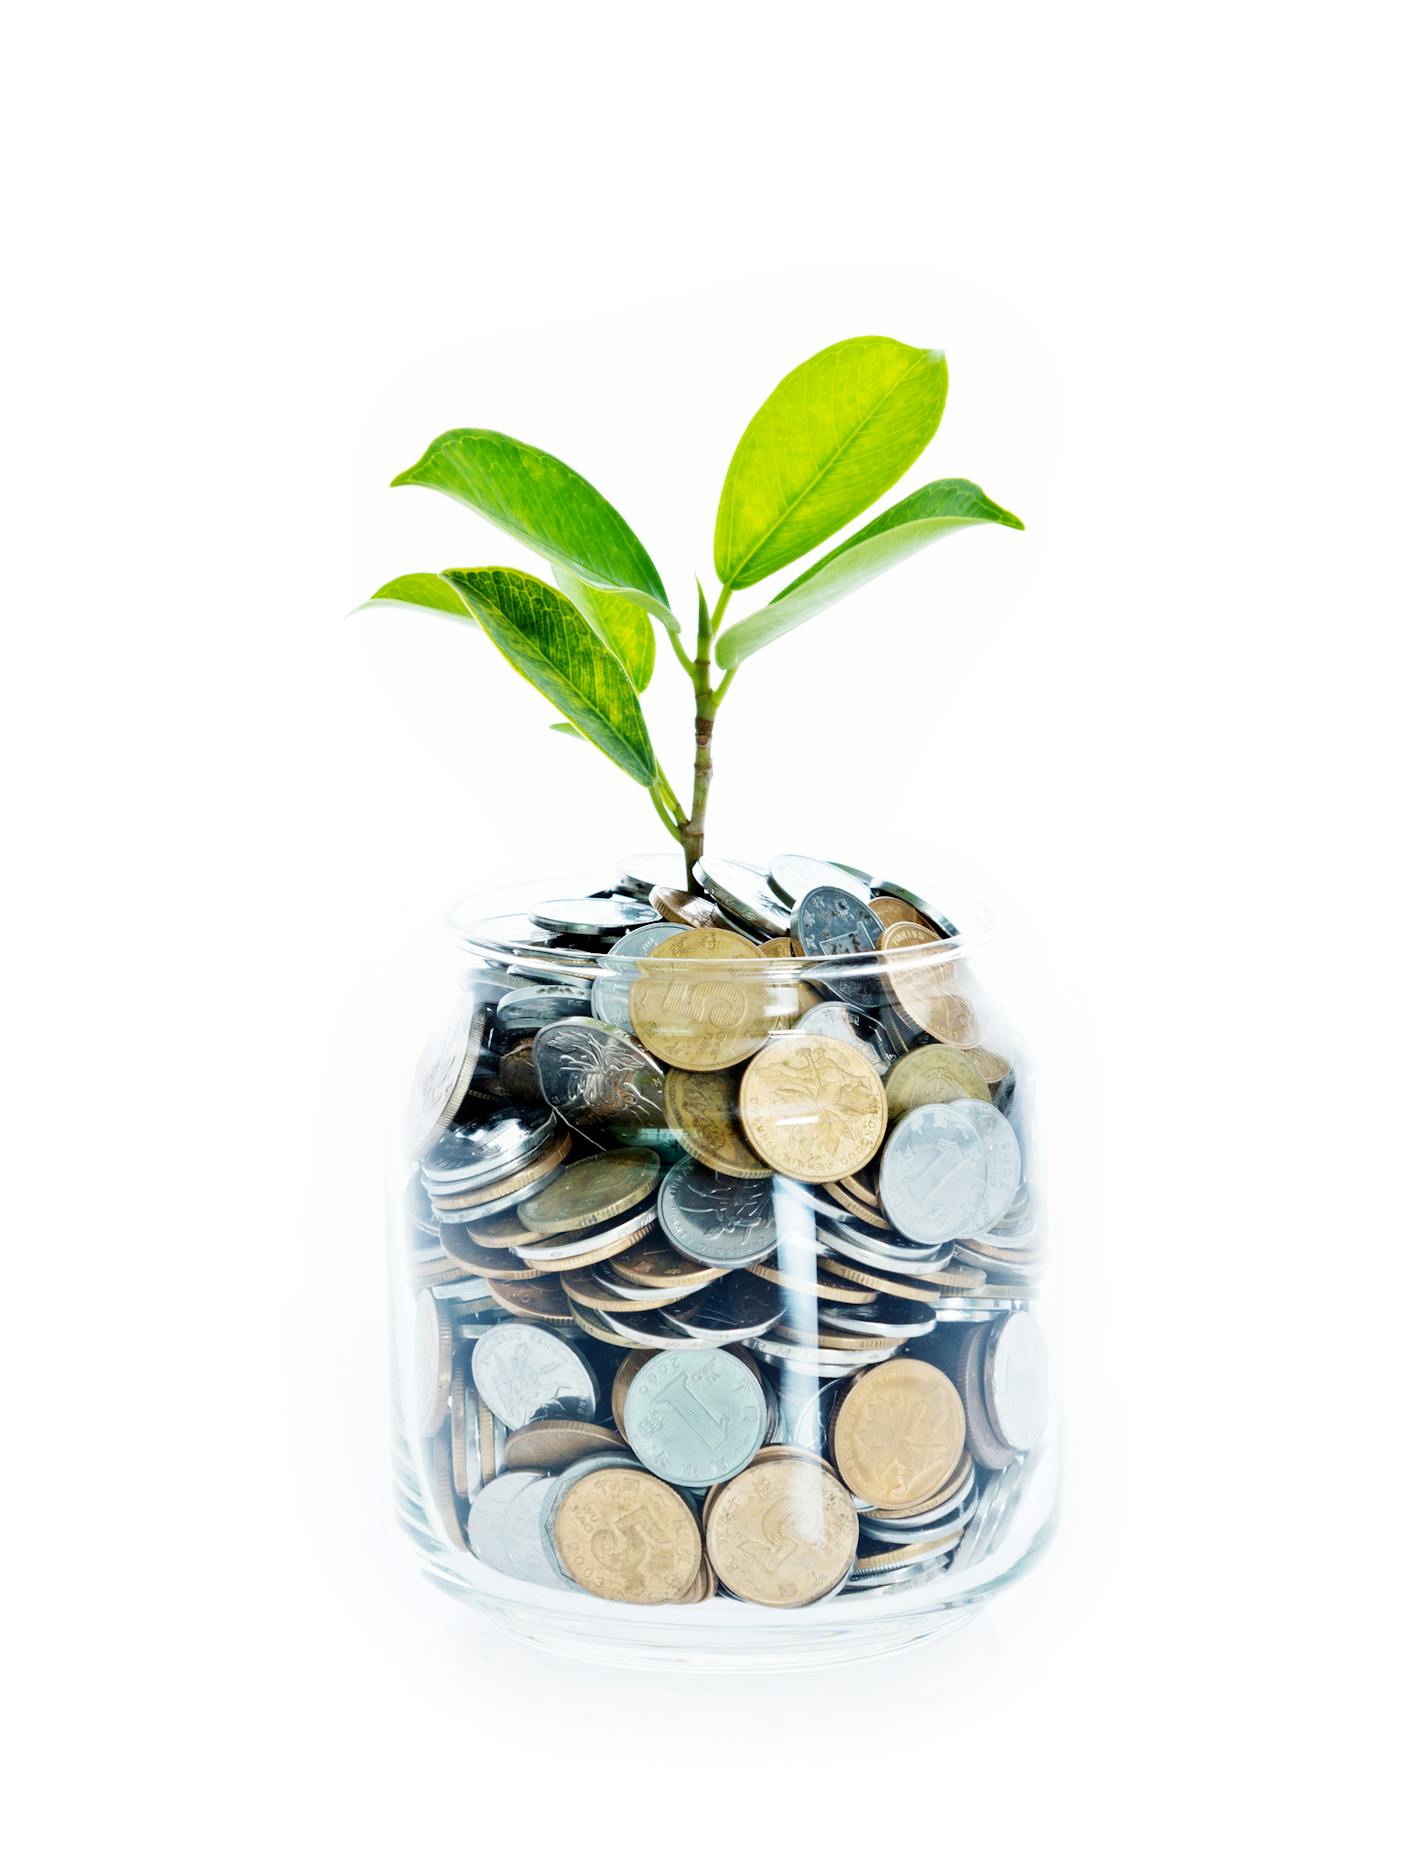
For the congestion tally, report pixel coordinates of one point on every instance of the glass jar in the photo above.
(724, 1324)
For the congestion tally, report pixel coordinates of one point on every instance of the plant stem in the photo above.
(706, 700)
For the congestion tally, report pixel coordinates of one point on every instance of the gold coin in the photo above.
(687, 910)
(924, 990)
(703, 1587)
(898, 1432)
(518, 1079)
(956, 1481)
(872, 1216)
(501, 1265)
(624, 1535)
(501, 1233)
(698, 1016)
(993, 1068)
(789, 999)
(556, 1444)
(954, 1277)
(587, 1291)
(782, 1533)
(436, 1272)
(863, 1188)
(831, 1339)
(933, 1074)
(820, 1286)
(597, 1253)
(539, 1298)
(511, 1184)
(658, 1266)
(591, 1191)
(780, 1452)
(813, 1107)
(880, 1281)
(459, 1446)
(442, 1487)
(591, 1327)
(702, 1108)
(888, 909)
(623, 1381)
(897, 1555)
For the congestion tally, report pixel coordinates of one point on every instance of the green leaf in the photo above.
(562, 726)
(941, 508)
(538, 630)
(545, 505)
(424, 590)
(827, 442)
(619, 623)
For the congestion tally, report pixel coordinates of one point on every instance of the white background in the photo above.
(258, 258)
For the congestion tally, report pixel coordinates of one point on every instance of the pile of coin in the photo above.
(723, 1258)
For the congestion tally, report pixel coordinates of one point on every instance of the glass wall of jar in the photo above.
(723, 1310)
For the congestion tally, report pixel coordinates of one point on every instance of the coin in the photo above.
(923, 987)
(932, 917)
(443, 1073)
(431, 1367)
(699, 1016)
(500, 1233)
(793, 877)
(702, 1108)
(812, 1108)
(744, 892)
(782, 1533)
(442, 1486)
(812, 1283)
(541, 1299)
(887, 909)
(591, 1191)
(898, 1432)
(717, 1220)
(622, 1534)
(489, 1512)
(652, 869)
(880, 1282)
(527, 1009)
(592, 915)
(1016, 1380)
(869, 1216)
(732, 1310)
(1003, 1161)
(834, 1018)
(932, 1074)
(934, 1173)
(610, 989)
(553, 1444)
(980, 1435)
(687, 909)
(473, 1153)
(695, 1417)
(830, 922)
(523, 1370)
(591, 1071)
(485, 1201)
(989, 1064)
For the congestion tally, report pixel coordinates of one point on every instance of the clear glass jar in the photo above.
(724, 1318)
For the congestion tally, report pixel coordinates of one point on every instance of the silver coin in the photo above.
(881, 1532)
(733, 1310)
(1016, 1388)
(590, 1071)
(793, 877)
(881, 1252)
(804, 1410)
(489, 1512)
(933, 1173)
(527, 1009)
(610, 991)
(563, 1485)
(484, 1210)
(979, 1435)
(553, 1252)
(936, 918)
(745, 892)
(834, 922)
(810, 1358)
(593, 915)
(898, 1318)
(515, 932)
(1008, 1272)
(653, 869)
(835, 1018)
(486, 1150)
(1003, 1160)
(443, 1073)
(521, 1368)
(523, 1531)
(642, 1330)
(719, 1220)
(633, 1294)
(695, 1417)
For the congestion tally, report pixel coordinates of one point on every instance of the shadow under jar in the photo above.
(724, 1330)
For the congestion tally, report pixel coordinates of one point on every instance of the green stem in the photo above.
(707, 699)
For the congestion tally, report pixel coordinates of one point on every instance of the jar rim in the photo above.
(472, 923)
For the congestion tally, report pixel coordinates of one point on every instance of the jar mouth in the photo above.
(488, 926)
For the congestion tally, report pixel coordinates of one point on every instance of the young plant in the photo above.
(829, 440)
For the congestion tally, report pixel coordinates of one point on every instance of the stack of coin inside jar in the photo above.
(724, 1262)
